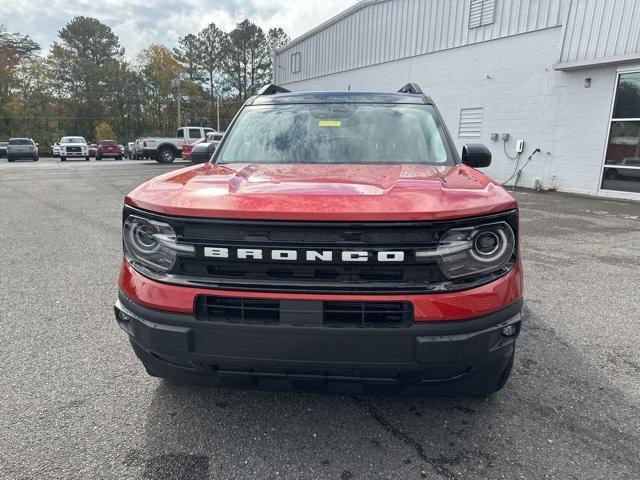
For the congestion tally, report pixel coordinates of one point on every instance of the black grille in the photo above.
(73, 149)
(300, 275)
(304, 312)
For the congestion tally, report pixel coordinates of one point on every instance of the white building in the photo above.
(562, 75)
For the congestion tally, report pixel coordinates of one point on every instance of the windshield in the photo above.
(336, 133)
(108, 143)
(73, 140)
(20, 141)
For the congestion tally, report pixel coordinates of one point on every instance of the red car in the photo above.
(93, 149)
(186, 151)
(336, 242)
(109, 149)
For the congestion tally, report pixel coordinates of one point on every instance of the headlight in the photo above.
(463, 252)
(152, 244)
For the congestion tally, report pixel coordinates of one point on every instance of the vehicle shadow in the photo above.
(548, 418)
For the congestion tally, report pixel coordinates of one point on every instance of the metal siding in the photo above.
(378, 31)
(598, 30)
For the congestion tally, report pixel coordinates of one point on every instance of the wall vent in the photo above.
(296, 60)
(470, 125)
(481, 13)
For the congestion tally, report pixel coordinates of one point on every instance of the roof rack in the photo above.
(412, 88)
(272, 89)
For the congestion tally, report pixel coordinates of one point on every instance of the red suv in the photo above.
(335, 242)
(108, 149)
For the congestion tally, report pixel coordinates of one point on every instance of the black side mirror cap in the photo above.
(476, 155)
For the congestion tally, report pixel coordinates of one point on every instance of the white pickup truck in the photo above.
(166, 149)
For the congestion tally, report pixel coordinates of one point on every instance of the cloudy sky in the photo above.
(139, 23)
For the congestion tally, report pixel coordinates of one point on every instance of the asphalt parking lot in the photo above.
(76, 403)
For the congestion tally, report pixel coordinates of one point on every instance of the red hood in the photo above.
(322, 192)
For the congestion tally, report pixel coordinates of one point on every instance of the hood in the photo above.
(73, 144)
(323, 192)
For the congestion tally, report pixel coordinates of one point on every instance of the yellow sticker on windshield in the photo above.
(329, 123)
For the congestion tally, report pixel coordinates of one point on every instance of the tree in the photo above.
(247, 59)
(159, 68)
(14, 49)
(277, 37)
(104, 132)
(189, 53)
(86, 49)
(213, 42)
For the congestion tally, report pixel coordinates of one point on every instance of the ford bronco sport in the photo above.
(335, 242)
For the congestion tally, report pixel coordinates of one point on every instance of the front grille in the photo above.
(331, 275)
(73, 149)
(304, 312)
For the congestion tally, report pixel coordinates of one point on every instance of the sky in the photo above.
(139, 23)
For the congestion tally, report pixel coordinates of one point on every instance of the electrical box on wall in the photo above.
(519, 146)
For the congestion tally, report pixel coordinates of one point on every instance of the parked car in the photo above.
(3, 149)
(202, 152)
(335, 243)
(73, 147)
(22, 149)
(167, 149)
(186, 151)
(93, 150)
(138, 149)
(129, 150)
(109, 149)
(55, 149)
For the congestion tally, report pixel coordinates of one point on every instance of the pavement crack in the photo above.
(388, 426)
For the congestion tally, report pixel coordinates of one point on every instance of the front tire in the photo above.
(86, 159)
(166, 155)
(35, 159)
(63, 159)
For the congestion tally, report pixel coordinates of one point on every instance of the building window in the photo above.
(470, 125)
(622, 157)
(295, 62)
(481, 13)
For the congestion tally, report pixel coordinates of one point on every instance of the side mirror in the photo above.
(476, 155)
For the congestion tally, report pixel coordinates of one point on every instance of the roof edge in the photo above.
(326, 24)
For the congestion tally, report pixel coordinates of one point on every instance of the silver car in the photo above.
(22, 148)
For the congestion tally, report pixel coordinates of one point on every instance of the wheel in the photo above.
(63, 159)
(98, 157)
(498, 382)
(86, 159)
(10, 159)
(35, 159)
(166, 155)
(118, 158)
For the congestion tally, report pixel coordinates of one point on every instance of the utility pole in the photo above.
(274, 62)
(218, 113)
(175, 83)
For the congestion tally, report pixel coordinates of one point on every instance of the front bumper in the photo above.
(450, 358)
(74, 154)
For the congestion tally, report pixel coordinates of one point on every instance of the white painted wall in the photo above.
(514, 80)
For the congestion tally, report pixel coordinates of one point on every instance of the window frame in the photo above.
(603, 165)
